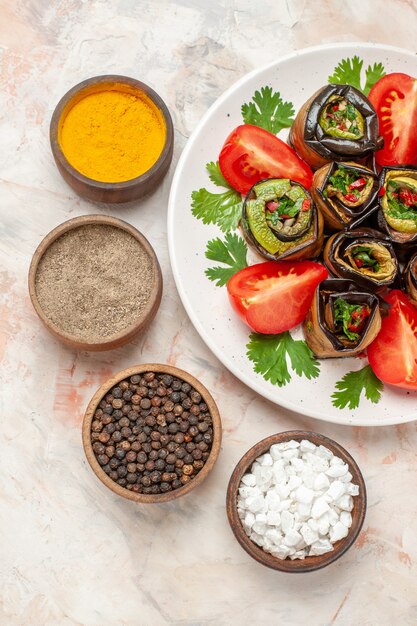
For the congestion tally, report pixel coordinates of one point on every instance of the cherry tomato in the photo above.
(393, 354)
(275, 296)
(251, 154)
(394, 98)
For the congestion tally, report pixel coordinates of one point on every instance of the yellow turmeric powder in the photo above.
(112, 135)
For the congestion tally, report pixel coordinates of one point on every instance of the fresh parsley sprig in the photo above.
(268, 110)
(231, 252)
(348, 72)
(351, 386)
(223, 209)
(271, 355)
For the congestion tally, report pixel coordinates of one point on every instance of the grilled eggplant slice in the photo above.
(410, 277)
(280, 220)
(345, 193)
(342, 320)
(364, 255)
(398, 203)
(337, 123)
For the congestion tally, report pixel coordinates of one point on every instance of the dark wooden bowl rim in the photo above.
(130, 331)
(312, 563)
(158, 369)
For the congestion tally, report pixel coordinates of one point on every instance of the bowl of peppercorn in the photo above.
(152, 432)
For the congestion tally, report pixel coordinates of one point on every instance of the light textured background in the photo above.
(71, 552)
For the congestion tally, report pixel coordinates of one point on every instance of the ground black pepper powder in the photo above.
(93, 282)
(152, 454)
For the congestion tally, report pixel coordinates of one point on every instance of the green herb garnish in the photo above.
(232, 252)
(268, 110)
(349, 317)
(364, 255)
(223, 209)
(342, 178)
(353, 384)
(348, 72)
(271, 353)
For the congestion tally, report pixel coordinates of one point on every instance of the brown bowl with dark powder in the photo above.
(95, 282)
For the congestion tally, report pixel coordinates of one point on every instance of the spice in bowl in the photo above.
(152, 433)
(95, 282)
(112, 135)
(296, 500)
(112, 138)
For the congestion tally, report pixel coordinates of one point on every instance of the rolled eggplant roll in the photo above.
(343, 319)
(398, 203)
(410, 277)
(337, 123)
(364, 255)
(280, 220)
(345, 193)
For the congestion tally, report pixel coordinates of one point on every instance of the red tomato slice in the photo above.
(275, 296)
(394, 98)
(251, 154)
(393, 354)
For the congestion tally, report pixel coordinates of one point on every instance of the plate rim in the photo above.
(252, 383)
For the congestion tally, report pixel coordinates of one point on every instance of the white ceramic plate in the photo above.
(296, 77)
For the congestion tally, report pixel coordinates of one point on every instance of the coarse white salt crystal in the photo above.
(292, 538)
(285, 505)
(336, 460)
(309, 535)
(275, 452)
(279, 473)
(283, 491)
(273, 518)
(298, 464)
(333, 516)
(345, 502)
(313, 524)
(255, 503)
(320, 547)
(281, 552)
(303, 510)
(273, 501)
(324, 524)
(307, 446)
(321, 482)
(249, 519)
(323, 452)
(249, 480)
(294, 482)
(287, 521)
(352, 490)
(288, 445)
(336, 471)
(259, 528)
(265, 459)
(274, 536)
(346, 518)
(336, 490)
(338, 531)
(290, 453)
(347, 478)
(319, 507)
(308, 477)
(305, 495)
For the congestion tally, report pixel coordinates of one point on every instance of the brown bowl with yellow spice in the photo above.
(112, 138)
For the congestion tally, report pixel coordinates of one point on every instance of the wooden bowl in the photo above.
(310, 563)
(127, 334)
(105, 388)
(98, 191)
